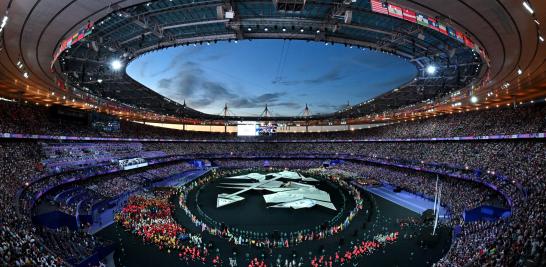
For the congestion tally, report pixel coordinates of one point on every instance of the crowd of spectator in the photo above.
(456, 194)
(516, 167)
(514, 159)
(75, 246)
(24, 243)
(31, 119)
(80, 199)
(20, 242)
(116, 184)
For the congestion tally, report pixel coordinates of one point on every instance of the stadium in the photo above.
(278, 133)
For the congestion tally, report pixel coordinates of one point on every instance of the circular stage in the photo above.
(254, 214)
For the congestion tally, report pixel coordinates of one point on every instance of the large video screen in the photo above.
(247, 129)
(267, 129)
(252, 128)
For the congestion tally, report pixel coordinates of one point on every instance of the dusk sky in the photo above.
(284, 74)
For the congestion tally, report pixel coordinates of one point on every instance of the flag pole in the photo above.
(438, 212)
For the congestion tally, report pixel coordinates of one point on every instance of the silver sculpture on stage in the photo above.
(287, 191)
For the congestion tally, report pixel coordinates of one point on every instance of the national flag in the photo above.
(460, 36)
(380, 7)
(422, 19)
(63, 45)
(81, 34)
(433, 24)
(75, 37)
(409, 15)
(395, 11)
(442, 28)
(468, 42)
(90, 25)
(451, 32)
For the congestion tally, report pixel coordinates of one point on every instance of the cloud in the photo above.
(334, 74)
(217, 90)
(242, 103)
(202, 102)
(291, 105)
(189, 77)
(144, 69)
(330, 106)
(165, 83)
(192, 84)
(212, 57)
(177, 59)
(207, 77)
(270, 99)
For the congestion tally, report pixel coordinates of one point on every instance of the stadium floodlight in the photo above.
(474, 99)
(528, 7)
(116, 64)
(431, 69)
(99, 80)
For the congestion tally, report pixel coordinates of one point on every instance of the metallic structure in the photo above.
(81, 77)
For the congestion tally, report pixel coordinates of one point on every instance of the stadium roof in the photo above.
(35, 31)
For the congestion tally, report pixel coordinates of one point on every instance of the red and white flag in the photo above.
(468, 42)
(409, 15)
(380, 7)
